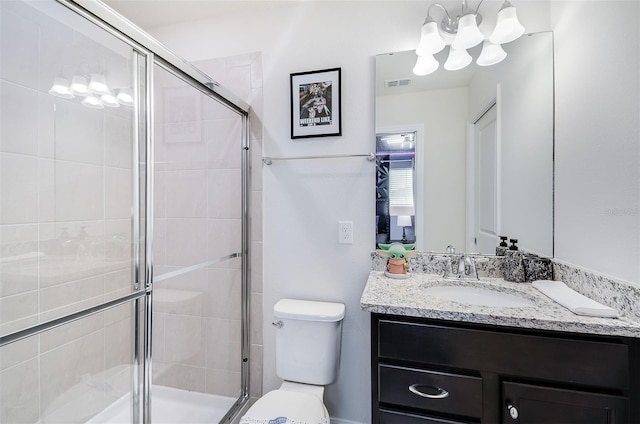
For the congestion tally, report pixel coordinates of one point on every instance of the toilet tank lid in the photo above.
(308, 310)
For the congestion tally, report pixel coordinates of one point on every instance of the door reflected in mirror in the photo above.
(482, 158)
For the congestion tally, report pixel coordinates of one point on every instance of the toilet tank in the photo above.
(308, 340)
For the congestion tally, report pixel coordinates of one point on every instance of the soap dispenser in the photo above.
(513, 263)
(502, 248)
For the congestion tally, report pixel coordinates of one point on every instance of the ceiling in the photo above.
(149, 14)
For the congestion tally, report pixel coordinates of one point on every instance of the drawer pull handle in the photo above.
(441, 393)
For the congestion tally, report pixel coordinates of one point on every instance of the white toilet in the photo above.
(308, 336)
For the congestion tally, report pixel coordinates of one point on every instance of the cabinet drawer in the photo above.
(593, 363)
(431, 391)
(394, 417)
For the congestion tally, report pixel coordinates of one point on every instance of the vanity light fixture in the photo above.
(425, 65)
(491, 54)
(464, 32)
(457, 59)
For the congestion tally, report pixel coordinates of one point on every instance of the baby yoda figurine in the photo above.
(398, 254)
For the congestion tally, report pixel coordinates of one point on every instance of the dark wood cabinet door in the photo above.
(529, 404)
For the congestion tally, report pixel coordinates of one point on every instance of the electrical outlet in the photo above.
(345, 232)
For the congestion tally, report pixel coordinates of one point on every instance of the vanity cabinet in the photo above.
(434, 371)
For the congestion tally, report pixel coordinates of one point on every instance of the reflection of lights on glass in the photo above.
(60, 88)
(98, 85)
(125, 97)
(92, 102)
(109, 100)
(79, 86)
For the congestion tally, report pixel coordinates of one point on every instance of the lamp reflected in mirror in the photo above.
(404, 221)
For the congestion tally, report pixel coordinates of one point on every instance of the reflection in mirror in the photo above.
(483, 162)
(395, 196)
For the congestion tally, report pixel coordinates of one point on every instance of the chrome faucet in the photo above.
(467, 268)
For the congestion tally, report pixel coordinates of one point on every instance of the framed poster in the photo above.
(315, 104)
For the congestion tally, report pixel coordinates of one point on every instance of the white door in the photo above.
(485, 183)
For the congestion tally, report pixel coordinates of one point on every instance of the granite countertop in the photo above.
(408, 297)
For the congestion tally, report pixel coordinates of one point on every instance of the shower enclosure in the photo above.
(123, 225)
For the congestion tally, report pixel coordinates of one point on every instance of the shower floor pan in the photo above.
(171, 406)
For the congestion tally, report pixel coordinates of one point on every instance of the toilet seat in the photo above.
(290, 407)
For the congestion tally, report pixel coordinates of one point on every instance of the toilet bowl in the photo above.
(308, 339)
(289, 404)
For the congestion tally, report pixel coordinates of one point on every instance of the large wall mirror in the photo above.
(478, 146)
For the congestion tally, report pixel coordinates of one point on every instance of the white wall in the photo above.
(443, 114)
(596, 149)
(597, 136)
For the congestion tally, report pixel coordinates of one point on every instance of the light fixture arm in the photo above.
(449, 24)
(450, 21)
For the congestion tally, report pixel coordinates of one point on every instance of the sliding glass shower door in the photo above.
(106, 145)
(197, 285)
(71, 216)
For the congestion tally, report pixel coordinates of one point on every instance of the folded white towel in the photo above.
(574, 301)
(279, 420)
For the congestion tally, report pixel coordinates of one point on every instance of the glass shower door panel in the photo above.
(69, 164)
(76, 373)
(197, 248)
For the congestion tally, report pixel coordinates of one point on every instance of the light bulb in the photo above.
(425, 65)
(508, 28)
(491, 54)
(430, 40)
(457, 59)
(468, 33)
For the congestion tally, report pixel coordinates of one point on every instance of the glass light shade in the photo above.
(430, 40)
(109, 100)
(79, 86)
(60, 88)
(468, 33)
(425, 65)
(508, 28)
(491, 54)
(457, 59)
(92, 102)
(98, 85)
(125, 97)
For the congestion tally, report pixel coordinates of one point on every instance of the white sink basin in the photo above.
(479, 296)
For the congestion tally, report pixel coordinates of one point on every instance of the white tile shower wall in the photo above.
(197, 202)
(65, 243)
